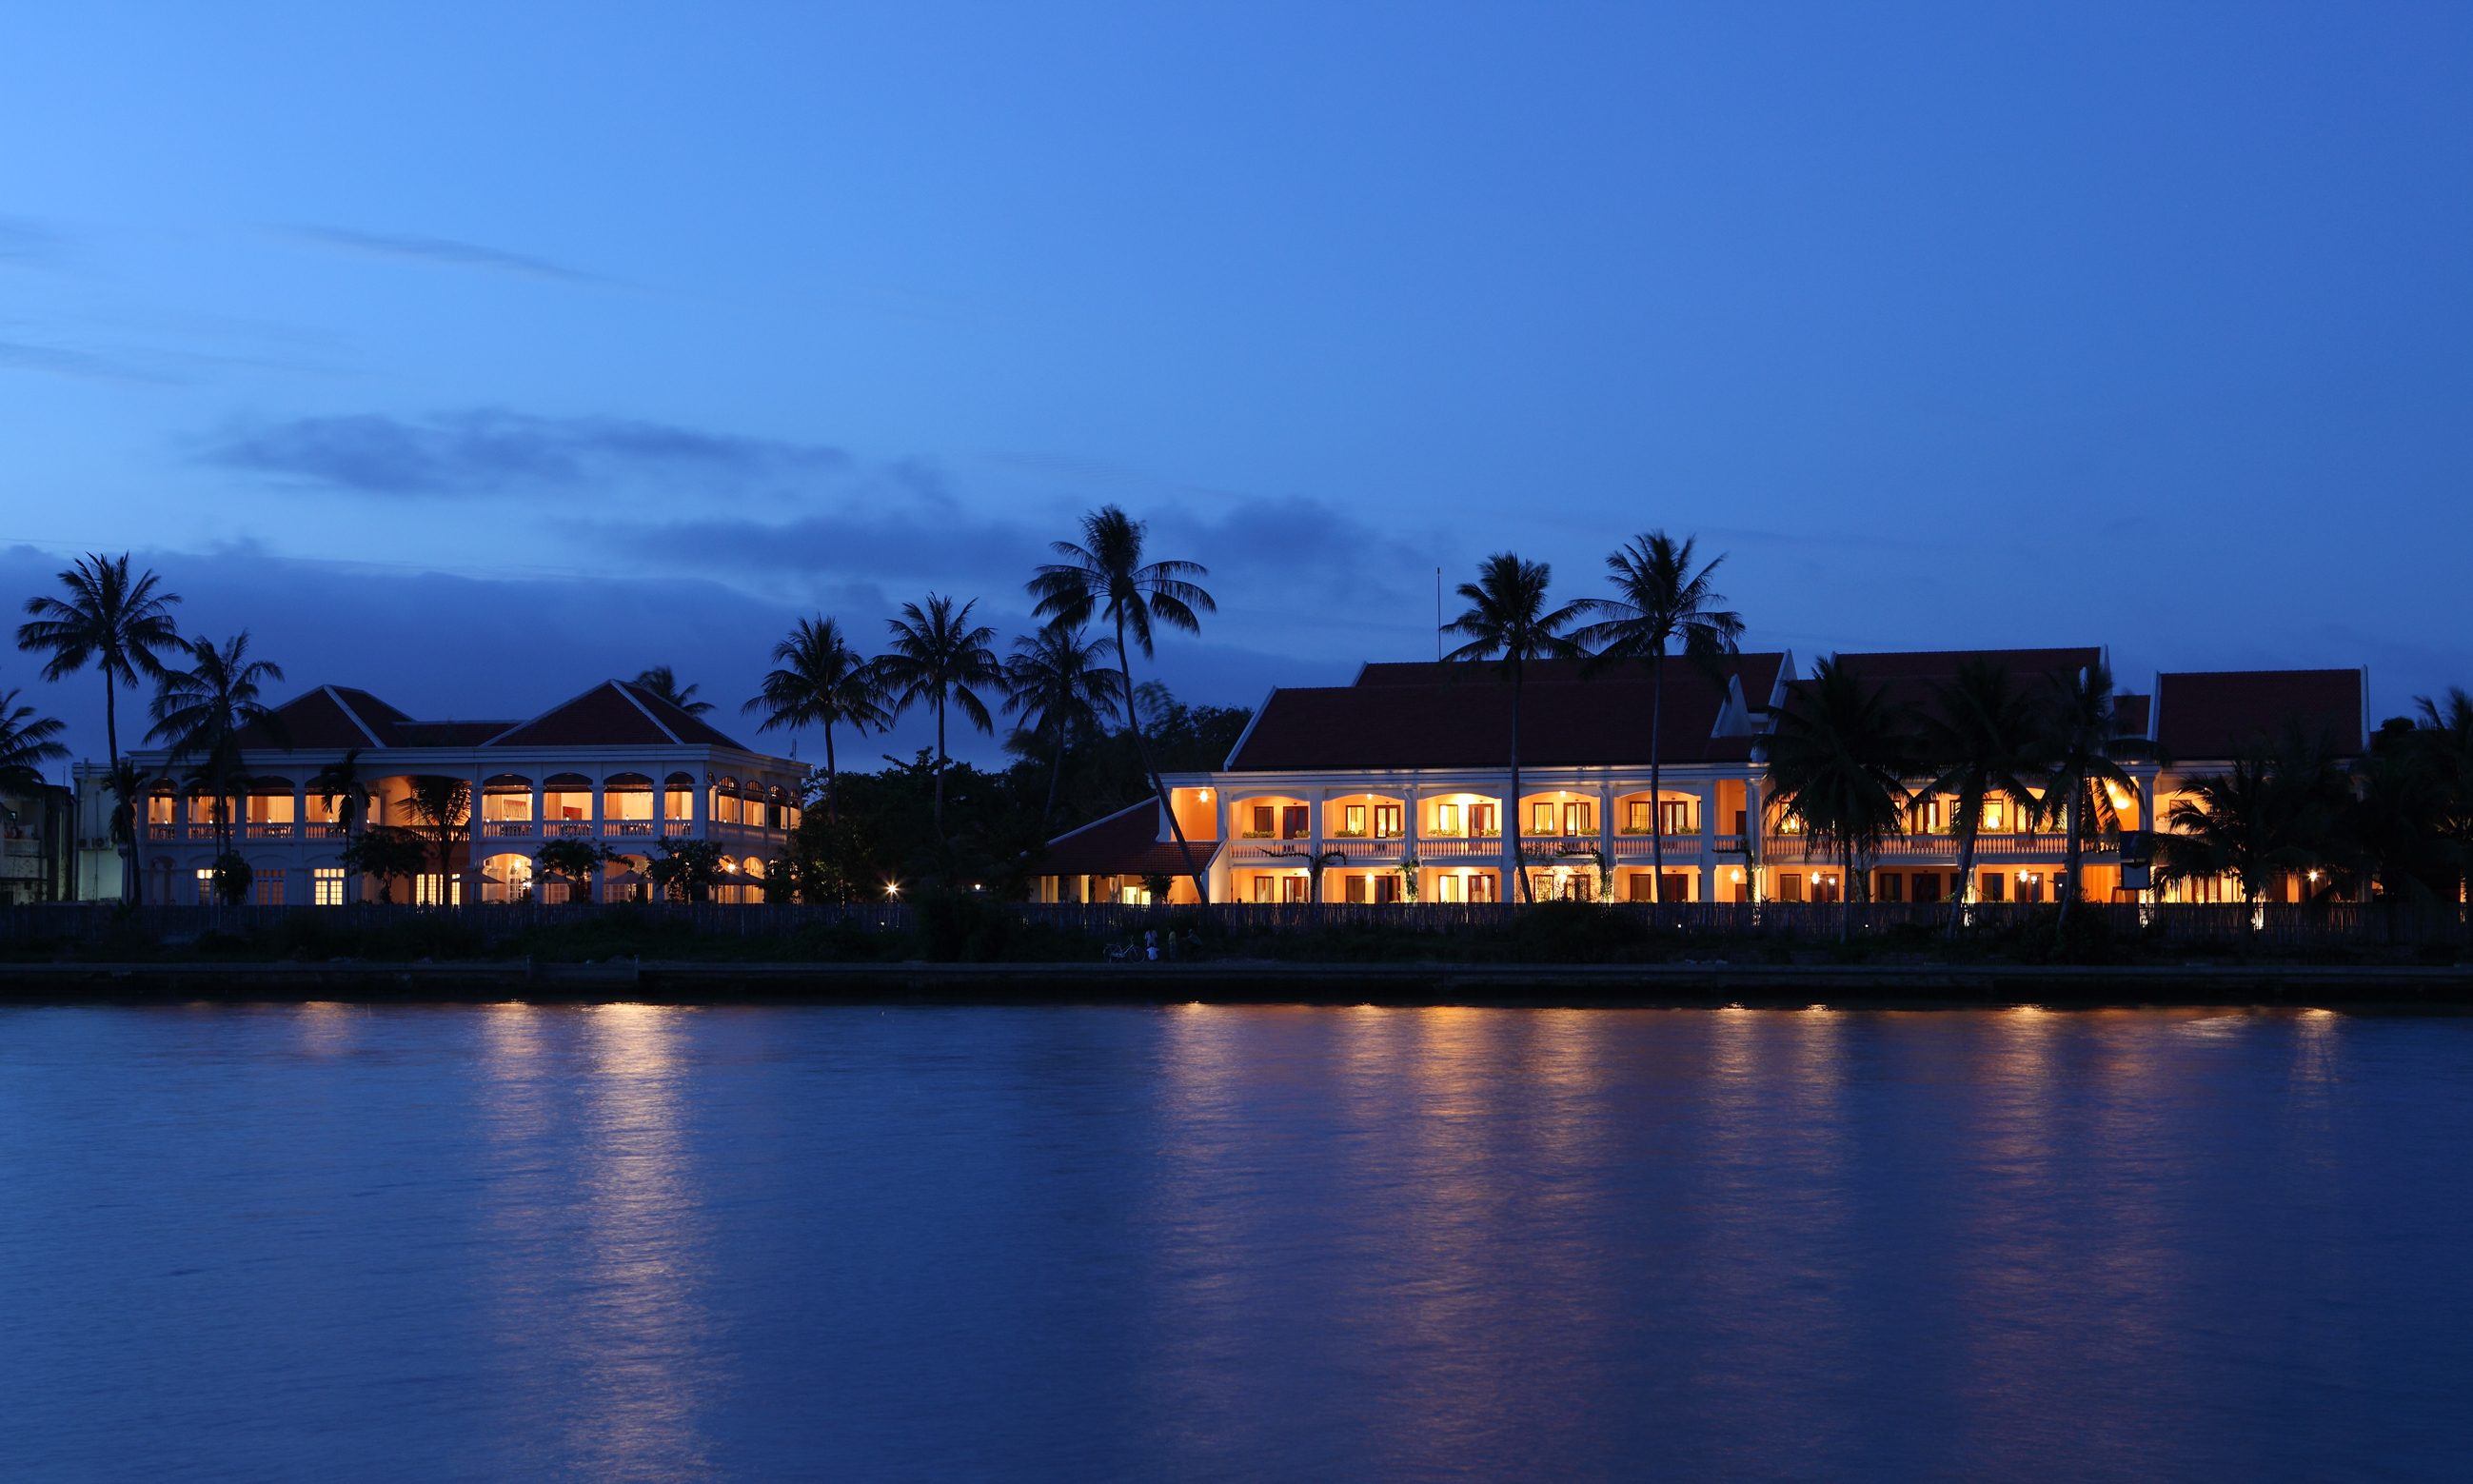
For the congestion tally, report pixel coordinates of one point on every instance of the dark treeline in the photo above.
(1847, 766)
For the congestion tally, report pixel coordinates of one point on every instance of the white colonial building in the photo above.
(616, 765)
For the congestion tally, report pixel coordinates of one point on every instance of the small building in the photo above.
(37, 845)
(616, 765)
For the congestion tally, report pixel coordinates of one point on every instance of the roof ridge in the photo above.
(367, 730)
(629, 691)
(1104, 818)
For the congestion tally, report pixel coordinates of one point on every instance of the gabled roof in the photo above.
(1456, 715)
(1932, 665)
(2217, 715)
(1757, 672)
(614, 713)
(1123, 844)
(322, 719)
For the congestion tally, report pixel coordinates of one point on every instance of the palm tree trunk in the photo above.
(1055, 779)
(940, 769)
(1159, 785)
(1656, 794)
(129, 887)
(2070, 878)
(1965, 871)
(1511, 805)
(832, 781)
(1846, 892)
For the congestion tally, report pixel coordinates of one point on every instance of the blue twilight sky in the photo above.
(473, 352)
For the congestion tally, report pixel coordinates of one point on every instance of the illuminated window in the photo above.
(1482, 818)
(1447, 889)
(430, 890)
(1674, 817)
(1386, 887)
(1636, 816)
(1265, 820)
(1355, 815)
(1580, 819)
(1541, 818)
(1263, 888)
(1386, 820)
(1447, 818)
(326, 886)
(1996, 815)
(205, 888)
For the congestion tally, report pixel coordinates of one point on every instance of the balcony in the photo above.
(506, 829)
(267, 833)
(617, 829)
(1460, 847)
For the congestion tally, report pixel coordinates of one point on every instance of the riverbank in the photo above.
(1688, 984)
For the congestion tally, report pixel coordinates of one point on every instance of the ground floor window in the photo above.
(429, 888)
(1927, 887)
(1890, 886)
(326, 886)
(1789, 886)
(1996, 887)
(1292, 888)
(267, 891)
(205, 888)
(1386, 887)
(1356, 889)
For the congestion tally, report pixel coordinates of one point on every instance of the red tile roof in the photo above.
(1460, 716)
(1758, 671)
(613, 713)
(1123, 844)
(1931, 664)
(317, 720)
(2217, 715)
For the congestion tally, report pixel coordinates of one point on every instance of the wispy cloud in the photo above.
(82, 365)
(440, 250)
(27, 244)
(497, 453)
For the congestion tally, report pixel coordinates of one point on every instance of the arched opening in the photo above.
(507, 878)
(726, 801)
(567, 805)
(162, 810)
(1272, 817)
(678, 802)
(506, 806)
(627, 878)
(627, 804)
(266, 812)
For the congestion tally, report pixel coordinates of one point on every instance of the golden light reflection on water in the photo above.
(600, 1231)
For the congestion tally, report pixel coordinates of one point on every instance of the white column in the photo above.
(1705, 798)
(1504, 819)
(1606, 838)
(1755, 836)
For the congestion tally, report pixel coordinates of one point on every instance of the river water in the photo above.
(1233, 1243)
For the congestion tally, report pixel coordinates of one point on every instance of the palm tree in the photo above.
(938, 657)
(445, 804)
(340, 786)
(1838, 761)
(2084, 746)
(1105, 575)
(200, 713)
(2225, 824)
(662, 684)
(1659, 602)
(1980, 738)
(1058, 683)
(1507, 621)
(2444, 733)
(116, 623)
(2286, 807)
(819, 681)
(27, 742)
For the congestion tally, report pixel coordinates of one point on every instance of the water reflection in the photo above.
(599, 1243)
(1234, 1243)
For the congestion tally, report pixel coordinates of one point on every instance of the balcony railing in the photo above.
(626, 827)
(506, 829)
(1460, 847)
(269, 832)
(568, 829)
